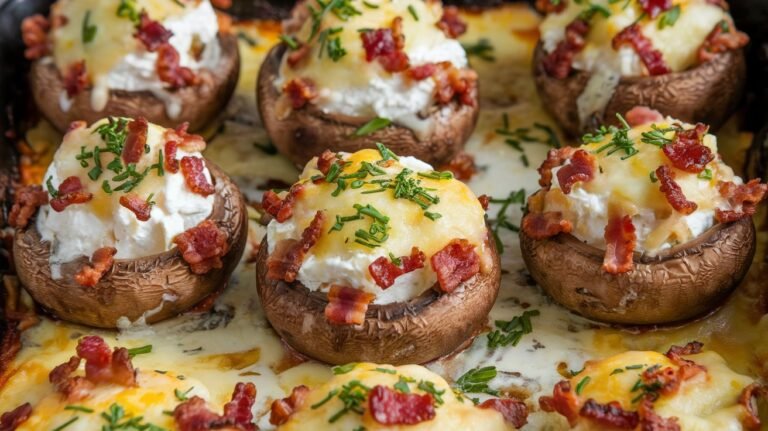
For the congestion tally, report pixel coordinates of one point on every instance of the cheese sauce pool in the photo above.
(233, 342)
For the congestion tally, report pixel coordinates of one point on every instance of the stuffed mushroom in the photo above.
(351, 74)
(596, 59)
(643, 224)
(132, 223)
(166, 60)
(375, 257)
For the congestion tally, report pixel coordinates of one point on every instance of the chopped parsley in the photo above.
(502, 220)
(148, 348)
(669, 17)
(374, 125)
(510, 332)
(89, 30)
(482, 49)
(476, 381)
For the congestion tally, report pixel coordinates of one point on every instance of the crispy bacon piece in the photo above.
(673, 192)
(549, 6)
(453, 83)
(620, 241)
(193, 170)
(654, 7)
(138, 206)
(238, 412)
(422, 72)
(74, 388)
(451, 23)
(581, 169)
(300, 91)
(170, 163)
(186, 141)
(297, 56)
(9, 421)
(151, 33)
(103, 365)
(609, 415)
(169, 68)
(650, 421)
(384, 272)
(743, 199)
(675, 352)
(203, 246)
(75, 78)
(640, 115)
(101, 261)
(456, 263)
(34, 33)
(326, 160)
(27, 199)
(281, 209)
(386, 46)
(347, 306)
(286, 260)
(70, 192)
(724, 37)
(283, 409)
(485, 201)
(135, 140)
(193, 415)
(462, 166)
(545, 225)
(514, 411)
(390, 407)
(563, 401)
(651, 57)
(558, 63)
(555, 158)
(747, 399)
(687, 152)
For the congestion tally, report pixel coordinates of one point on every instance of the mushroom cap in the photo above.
(308, 131)
(678, 283)
(413, 332)
(707, 93)
(199, 104)
(132, 286)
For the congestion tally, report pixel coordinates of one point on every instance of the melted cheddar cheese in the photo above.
(456, 412)
(340, 258)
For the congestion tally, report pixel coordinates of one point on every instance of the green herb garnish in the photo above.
(343, 369)
(51, 190)
(412, 11)
(127, 9)
(327, 398)
(581, 384)
(476, 380)
(377, 123)
(429, 387)
(89, 30)
(78, 408)
(353, 395)
(669, 18)
(510, 332)
(148, 348)
(66, 424)
(482, 49)
(402, 384)
(385, 370)
(502, 220)
(620, 140)
(386, 153)
(706, 174)
(290, 41)
(182, 396)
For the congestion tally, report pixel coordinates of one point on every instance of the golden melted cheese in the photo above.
(707, 401)
(454, 413)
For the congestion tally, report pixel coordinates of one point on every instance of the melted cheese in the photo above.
(678, 43)
(454, 413)
(708, 401)
(337, 259)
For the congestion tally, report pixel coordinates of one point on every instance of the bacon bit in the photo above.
(300, 91)
(555, 158)
(27, 199)
(675, 352)
(558, 63)
(169, 157)
(422, 72)
(451, 23)
(545, 225)
(9, 421)
(514, 411)
(186, 141)
(347, 306)
(73, 388)
(61, 372)
(203, 246)
(297, 56)
(34, 33)
(140, 207)
(743, 199)
(325, 161)
(746, 399)
(654, 7)
(563, 401)
(456, 263)
(169, 68)
(620, 241)
(610, 414)
(135, 141)
(281, 209)
(452, 83)
(687, 152)
(101, 261)
(75, 79)
(151, 33)
(390, 407)
(548, 6)
(193, 414)
(193, 170)
(384, 272)
(652, 58)
(286, 260)
(386, 46)
(721, 40)
(238, 412)
(640, 115)
(70, 192)
(581, 169)
(283, 409)
(462, 166)
(485, 201)
(673, 192)
(650, 421)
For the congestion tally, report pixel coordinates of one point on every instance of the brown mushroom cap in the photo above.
(413, 332)
(679, 283)
(307, 132)
(708, 93)
(199, 103)
(133, 286)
